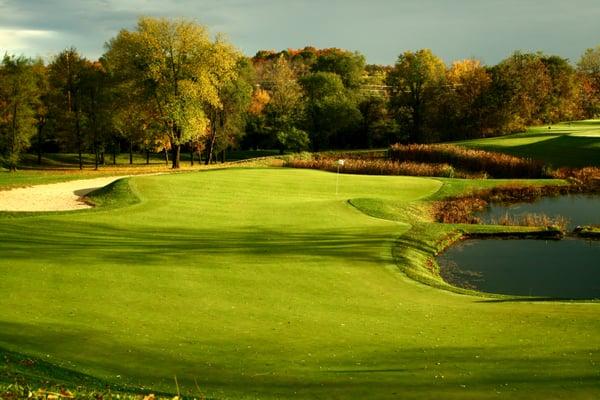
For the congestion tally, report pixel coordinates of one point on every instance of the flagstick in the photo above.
(337, 177)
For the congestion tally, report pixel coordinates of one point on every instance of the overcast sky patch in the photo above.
(381, 29)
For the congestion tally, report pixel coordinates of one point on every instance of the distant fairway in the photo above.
(262, 283)
(575, 145)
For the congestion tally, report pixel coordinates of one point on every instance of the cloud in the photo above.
(381, 29)
(18, 41)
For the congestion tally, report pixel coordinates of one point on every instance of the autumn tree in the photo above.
(562, 102)
(415, 84)
(132, 121)
(285, 108)
(255, 133)
(525, 77)
(178, 67)
(19, 98)
(588, 68)
(463, 106)
(227, 121)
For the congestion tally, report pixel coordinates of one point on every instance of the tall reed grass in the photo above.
(460, 209)
(494, 164)
(532, 219)
(375, 167)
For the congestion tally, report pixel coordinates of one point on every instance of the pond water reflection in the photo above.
(568, 268)
(577, 209)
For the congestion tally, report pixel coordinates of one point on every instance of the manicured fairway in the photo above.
(262, 283)
(575, 144)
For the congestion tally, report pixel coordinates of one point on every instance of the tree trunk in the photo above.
(102, 157)
(130, 151)
(13, 166)
(40, 128)
(192, 157)
(96, 150)
(176, 149)
(79, 138)
(166, 156)
(147, 156)
(114, 156)
(211, 148)
(223, 156)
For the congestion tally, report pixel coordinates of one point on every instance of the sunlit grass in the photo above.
(263, 283)
(574, 144)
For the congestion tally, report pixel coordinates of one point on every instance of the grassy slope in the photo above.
(576, 144)
(263, 283)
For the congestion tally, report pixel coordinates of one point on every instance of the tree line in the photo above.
(168, 86)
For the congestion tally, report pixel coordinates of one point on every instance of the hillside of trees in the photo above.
(169, 86)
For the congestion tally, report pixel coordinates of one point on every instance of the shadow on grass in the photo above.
(55, 240)
(232, 367)
(561, 150)
(540, 300)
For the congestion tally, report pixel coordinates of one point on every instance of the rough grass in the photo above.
(575, 144)
(262, 283)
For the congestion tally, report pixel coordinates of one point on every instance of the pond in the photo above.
(577, 209)
(568, 268)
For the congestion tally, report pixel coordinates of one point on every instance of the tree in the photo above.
(416, 82)
(19, 98)
(349, 66)
(65, 76)
(588, 68)
(132, 121)
(41, 107)
(228, 121)
(562, 102)
(97, 105)
(256, 134)
(463, 113)
(285, 107)
(293, 139)
(331, 110)
(528, 83)
(175, 65)
(377, 127)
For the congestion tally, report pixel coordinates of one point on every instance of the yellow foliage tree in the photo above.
(179, 70)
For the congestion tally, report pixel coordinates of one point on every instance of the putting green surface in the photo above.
(262, 283)
(575, 144)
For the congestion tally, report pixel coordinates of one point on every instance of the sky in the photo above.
(488, 30)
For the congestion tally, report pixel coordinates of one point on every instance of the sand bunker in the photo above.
(62, 196)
